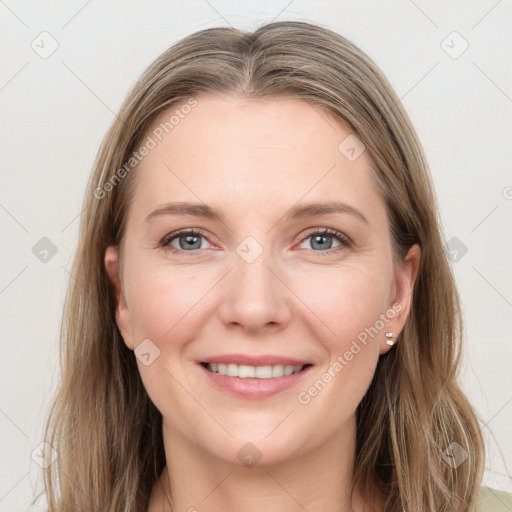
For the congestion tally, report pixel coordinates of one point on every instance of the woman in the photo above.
(262, 315)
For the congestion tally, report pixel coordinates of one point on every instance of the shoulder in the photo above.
(493, 500)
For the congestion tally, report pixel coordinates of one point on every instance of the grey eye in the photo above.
(187, 242)
(321, 241)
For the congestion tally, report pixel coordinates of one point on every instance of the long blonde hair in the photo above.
(105, 429)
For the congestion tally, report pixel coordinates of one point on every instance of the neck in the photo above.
(318, 480)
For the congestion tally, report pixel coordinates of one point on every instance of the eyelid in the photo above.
(341, 237)
(325, 231)
(165, 242)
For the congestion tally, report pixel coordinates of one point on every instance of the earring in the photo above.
(389, 341)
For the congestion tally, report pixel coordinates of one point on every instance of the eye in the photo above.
(188, 240)
(322, 240)
(191, 240)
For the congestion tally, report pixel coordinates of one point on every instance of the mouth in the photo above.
(243, 371)
(257, 381)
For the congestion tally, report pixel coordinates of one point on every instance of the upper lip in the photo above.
(262, 360)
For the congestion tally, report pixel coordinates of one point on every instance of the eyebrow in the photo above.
(296, 212)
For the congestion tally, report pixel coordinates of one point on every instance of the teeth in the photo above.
(259, 372)
(263, 372)
(287, 370)
(232, 370)
(243, 371)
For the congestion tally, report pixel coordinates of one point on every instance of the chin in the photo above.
(252, 449)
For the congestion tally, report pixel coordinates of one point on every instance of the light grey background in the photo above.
(55, 111)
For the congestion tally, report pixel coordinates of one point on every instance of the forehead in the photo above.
(252, 153)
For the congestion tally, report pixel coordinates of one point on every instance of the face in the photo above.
(256, 248)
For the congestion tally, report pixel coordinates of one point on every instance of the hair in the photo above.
(106, 430)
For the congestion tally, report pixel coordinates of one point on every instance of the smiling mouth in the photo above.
(243, 371)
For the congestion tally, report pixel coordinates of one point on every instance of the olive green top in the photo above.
(492, 500)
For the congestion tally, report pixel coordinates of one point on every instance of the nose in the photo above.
(254, 297)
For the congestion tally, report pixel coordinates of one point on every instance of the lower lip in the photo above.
(255, 388)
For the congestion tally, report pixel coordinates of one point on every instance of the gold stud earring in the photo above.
(389, 341)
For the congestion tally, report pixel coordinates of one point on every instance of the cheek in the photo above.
(350, 306)
(164, 301)
(167, 307)
(345, 301)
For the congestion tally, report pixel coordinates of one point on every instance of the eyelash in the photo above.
(340, 237)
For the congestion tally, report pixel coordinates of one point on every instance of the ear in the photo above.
(122, 314)
(404, 285)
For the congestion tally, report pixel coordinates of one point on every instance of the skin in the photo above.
(253, 161)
